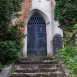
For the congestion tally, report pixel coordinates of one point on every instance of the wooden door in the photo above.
(36, 39)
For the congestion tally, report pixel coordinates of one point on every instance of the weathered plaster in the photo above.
(44, 8)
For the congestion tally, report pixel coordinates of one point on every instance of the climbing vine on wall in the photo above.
(66, 13)
(25, 10)
(52, 3)
(13, 17)
(24, 13)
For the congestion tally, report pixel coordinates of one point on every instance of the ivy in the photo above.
(11, 41)
(65, 13)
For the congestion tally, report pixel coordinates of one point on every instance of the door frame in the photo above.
(49, 37)
(41, 53)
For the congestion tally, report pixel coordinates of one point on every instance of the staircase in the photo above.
(37, 67)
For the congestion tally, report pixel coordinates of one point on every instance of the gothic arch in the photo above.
(32, 12)
(40, 13)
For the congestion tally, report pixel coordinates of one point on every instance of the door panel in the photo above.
(36, 39)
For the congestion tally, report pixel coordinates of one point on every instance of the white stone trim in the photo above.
(48, 33)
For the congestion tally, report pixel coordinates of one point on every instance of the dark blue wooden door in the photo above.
(36, 39)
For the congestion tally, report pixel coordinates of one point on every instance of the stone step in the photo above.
(39, 62)
(37, 67)
(55, 74)
(34, 66)
(36, 59)
(29, 70)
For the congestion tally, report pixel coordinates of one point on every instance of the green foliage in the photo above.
(9, 50)
(7, 8)
(10, 36)
(65, 13)
(75, 26)
(75, 30)
(14, 33)
(68, 55)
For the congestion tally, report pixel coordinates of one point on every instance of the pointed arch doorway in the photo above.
(36, 39)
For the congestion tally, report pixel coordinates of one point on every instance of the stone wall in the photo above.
(45, 9)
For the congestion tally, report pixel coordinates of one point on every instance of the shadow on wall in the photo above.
(57, 43)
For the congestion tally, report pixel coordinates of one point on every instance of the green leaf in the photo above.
(75, 26)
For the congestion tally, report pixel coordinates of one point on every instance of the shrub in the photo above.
(11, 36)
(9, 50)
(68, 54)
(69, 57)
